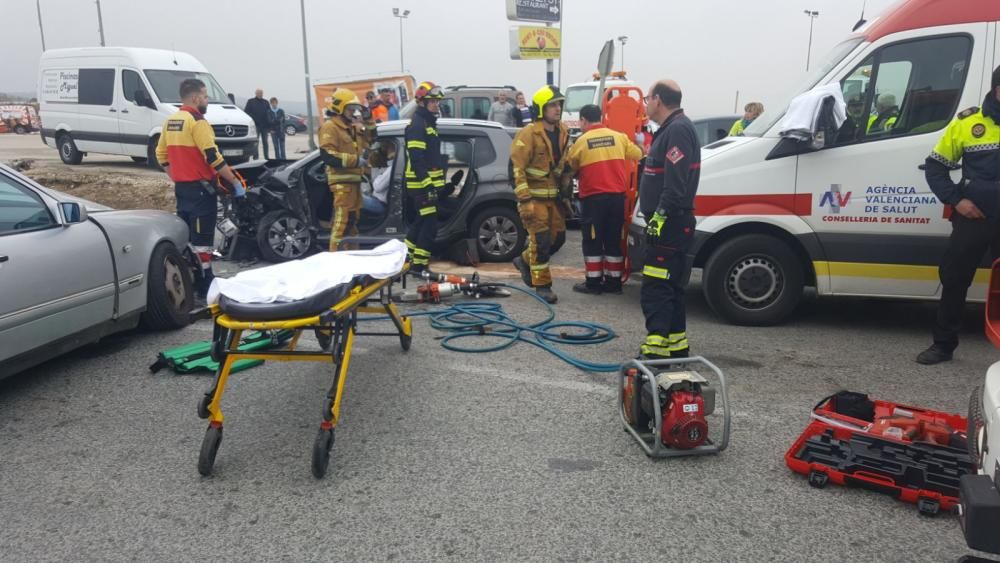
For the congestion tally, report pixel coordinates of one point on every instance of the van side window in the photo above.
(133, 87)
(97, 86)
(447, 107)
(476, 108)
(907, 88)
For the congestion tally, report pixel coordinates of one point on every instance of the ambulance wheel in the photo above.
(975, 424)
(209, 447)
(754, 280)
(203, 406)
(325, 339)
(67, 149)
(322, 448)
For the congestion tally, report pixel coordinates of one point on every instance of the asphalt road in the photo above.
(442, 456)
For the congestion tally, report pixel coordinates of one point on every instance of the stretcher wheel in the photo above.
(405, 340)
(321, 452)
(325, 338)
(209, 447)
(203, 406)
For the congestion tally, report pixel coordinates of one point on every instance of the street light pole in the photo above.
(623, 39)
(100, 22)
(38, 6)
(305, 58)
(401, 16)
(812, 17)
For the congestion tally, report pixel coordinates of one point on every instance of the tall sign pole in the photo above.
(305, 58)
(38, 6)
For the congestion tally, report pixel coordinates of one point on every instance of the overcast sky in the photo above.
(711, 47)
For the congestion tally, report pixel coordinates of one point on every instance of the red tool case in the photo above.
(851, 450)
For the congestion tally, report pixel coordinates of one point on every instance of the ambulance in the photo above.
(856, 217)
(583, 93)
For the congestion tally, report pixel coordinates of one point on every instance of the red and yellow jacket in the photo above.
(599, 158)
(187, 145)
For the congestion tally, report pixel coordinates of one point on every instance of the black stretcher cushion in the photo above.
(308, 307)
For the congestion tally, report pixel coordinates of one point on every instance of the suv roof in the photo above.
(400, 124)
(465, 87)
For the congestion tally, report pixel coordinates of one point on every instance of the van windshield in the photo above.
(167, 85)
(770, 117)
(577, 97)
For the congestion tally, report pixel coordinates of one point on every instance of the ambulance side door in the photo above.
(881, 228)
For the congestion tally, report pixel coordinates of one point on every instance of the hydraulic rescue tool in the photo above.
(665, 405)
(441, 286)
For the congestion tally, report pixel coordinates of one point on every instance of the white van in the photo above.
(114, 100)
(856, 217)
(583, 93)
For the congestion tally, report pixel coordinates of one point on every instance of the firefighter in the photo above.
(424, 175)
(188, 154)
(666, 198)
(538, 157)
(969, 143)
(343, 145)
(599, 160)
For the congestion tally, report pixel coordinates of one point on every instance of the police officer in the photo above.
(666, 198)
(538, 157)
(599, 158)
(424, 175)
(343, 143)
(188, 154)
(969, 143)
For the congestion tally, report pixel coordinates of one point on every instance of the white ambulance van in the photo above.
(583, 93)
(856, 217)
(114, 100)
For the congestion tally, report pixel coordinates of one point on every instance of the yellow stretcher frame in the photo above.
(335, 329)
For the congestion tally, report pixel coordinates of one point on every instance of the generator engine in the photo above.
(684, 398)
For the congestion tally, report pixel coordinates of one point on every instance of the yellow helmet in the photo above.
(545, 95)
(341, 98)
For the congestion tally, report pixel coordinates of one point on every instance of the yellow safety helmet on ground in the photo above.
(428, 91)
(341, 98)
(545, 95)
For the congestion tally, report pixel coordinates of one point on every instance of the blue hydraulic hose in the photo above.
(487, 318)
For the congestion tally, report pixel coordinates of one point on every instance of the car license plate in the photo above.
(232, 152)
(227, 228)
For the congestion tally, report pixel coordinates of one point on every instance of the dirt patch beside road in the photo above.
(118, 189)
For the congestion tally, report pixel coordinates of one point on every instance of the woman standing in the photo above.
(276, 124)
(522, 113)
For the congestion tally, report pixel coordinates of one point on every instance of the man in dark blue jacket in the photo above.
(259, 111)
(666, 198)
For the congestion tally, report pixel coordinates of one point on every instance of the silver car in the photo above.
(73, 271)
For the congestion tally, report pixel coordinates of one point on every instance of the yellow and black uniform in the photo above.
(342, 147)
(884, 121)
(538, 158)
(187, 146)
(600, 160)
(971, 142)
(424, 176)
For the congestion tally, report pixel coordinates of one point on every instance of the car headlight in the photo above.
(253, 131)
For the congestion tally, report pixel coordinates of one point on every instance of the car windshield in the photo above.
(769, 118)
(167, 85)
(577, 97)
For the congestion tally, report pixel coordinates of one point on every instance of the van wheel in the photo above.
(499, 234)
(282, 236)
(151, 161)
(753, 280)
(68, 151)
(169, 290)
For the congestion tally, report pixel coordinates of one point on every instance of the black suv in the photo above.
(288, 205)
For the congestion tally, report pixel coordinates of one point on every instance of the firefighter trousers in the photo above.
(662, 296)
(422, 232)
(346, 212)
(602, 217)
(197, 208)
(969, 242)
(546, 226)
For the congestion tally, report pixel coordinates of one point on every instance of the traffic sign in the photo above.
(549, 11)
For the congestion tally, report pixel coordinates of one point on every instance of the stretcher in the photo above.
(332, 315)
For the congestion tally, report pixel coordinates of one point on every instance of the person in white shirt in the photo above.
(379, 199)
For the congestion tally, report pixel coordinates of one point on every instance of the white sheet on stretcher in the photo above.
(299, 279)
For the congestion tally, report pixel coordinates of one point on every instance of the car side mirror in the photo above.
(72, 212)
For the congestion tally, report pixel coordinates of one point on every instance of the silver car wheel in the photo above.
(174, 280)
(498, 235)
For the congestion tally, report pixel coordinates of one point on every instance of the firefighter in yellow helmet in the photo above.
(424, 175)
(538, 156)
(343, 143)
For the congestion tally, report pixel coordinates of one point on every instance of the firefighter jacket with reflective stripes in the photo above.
(187, 146)
(536, 173)
(971, 142)
(424, 162)
(341, 146)
(673, 166)
(599, 159)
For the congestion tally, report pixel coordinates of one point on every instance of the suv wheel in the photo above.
(67, 150)
(499, 234)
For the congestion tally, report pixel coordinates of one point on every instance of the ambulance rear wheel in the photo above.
(754, 280)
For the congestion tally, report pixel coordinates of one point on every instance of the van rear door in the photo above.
(882, 230)
(97, 124)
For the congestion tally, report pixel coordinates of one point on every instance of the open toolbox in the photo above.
(915, 455)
